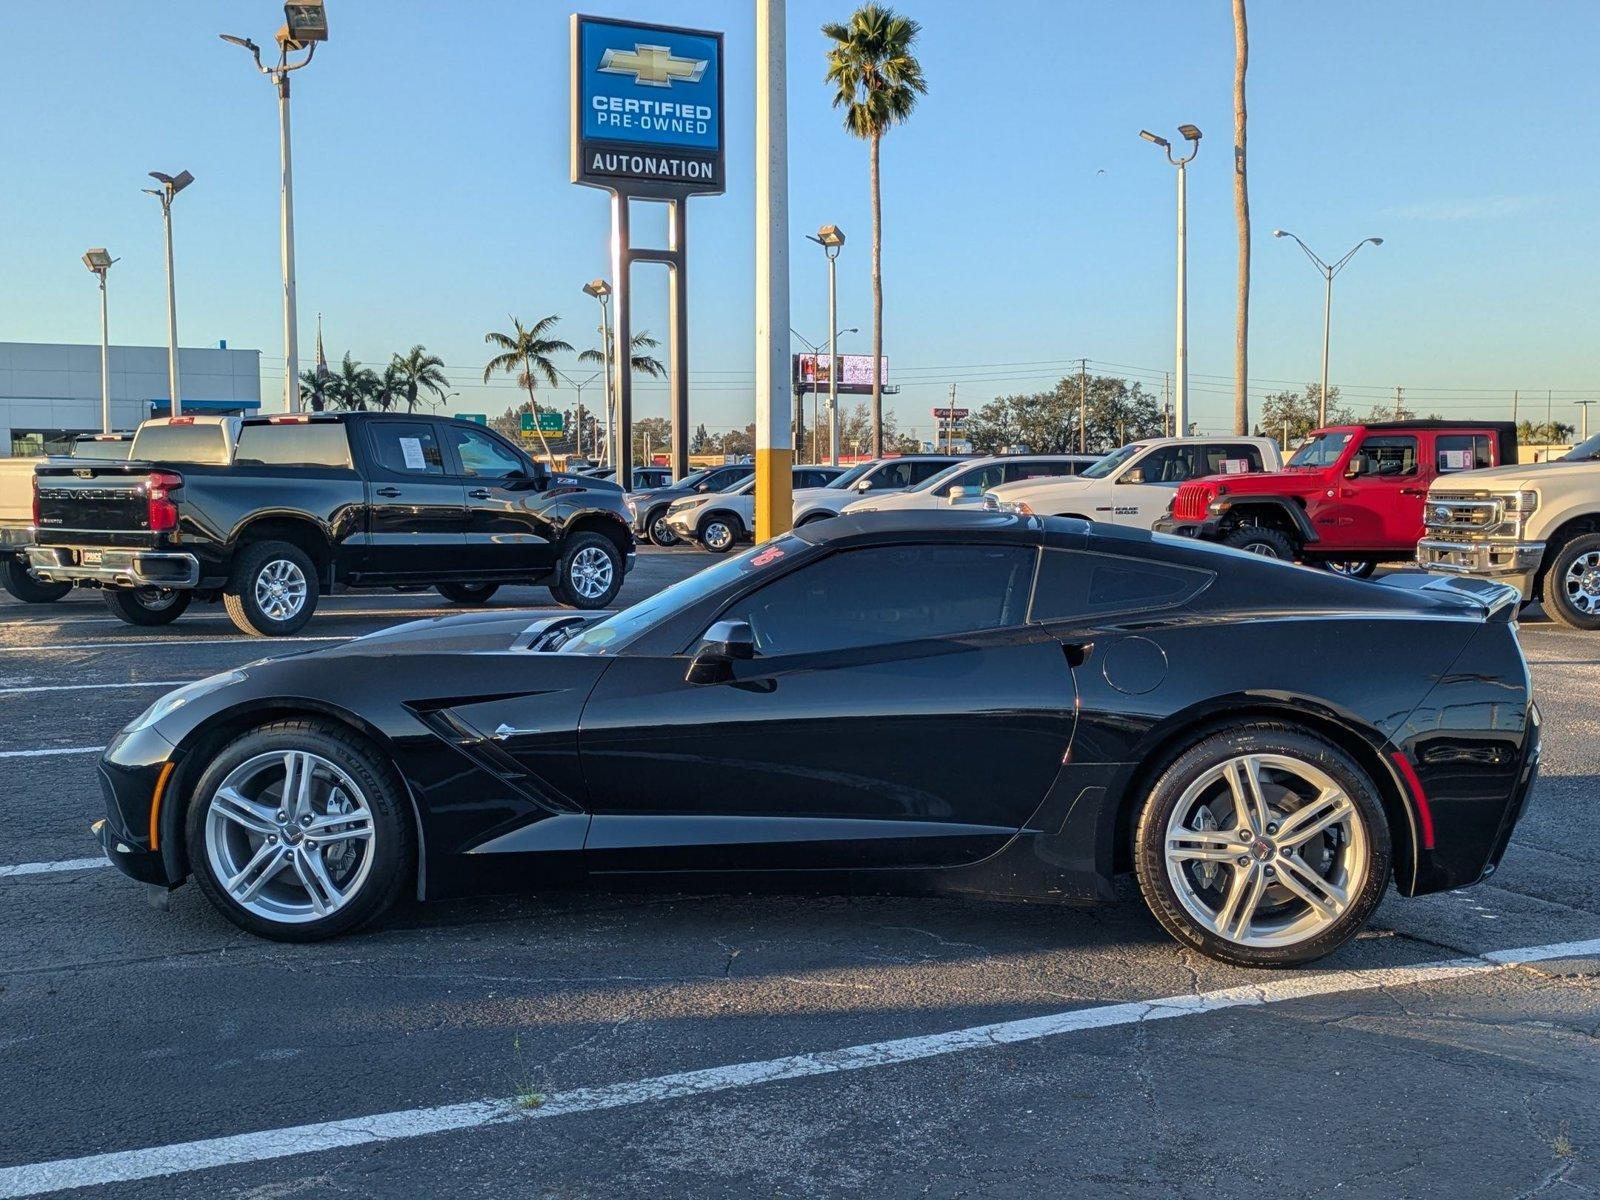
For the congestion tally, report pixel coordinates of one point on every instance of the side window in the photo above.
(406, 447)
(924, 470)
(1229, 458)
(1159, 466)
(984, 477)
(889, 594)
(1384, 457)
(1074, 584)
(482, 456)
(1462, 452)
(890, 475)
(1038, 470)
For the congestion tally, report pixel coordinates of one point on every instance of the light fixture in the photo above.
(1190, 132)
(830, 236)
(98, 259)
(173, 183)
(1150, 137)
(597, 287)
(305, 21)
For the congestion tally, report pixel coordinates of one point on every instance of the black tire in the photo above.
(657, 529)
(720, 532)
(146, 605)
(1350, 568)
(20, 582)
(1307, 749)
(467, 593)
(1572, 580)
(1262, 540)
(576, 583)
(255, 568)
(392, 844)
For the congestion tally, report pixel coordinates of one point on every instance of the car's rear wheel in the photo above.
(21, 583)
(146, 605)
(1262, 540)
(657, 529)
(297, 831)
(467, 593)
(590, 572)
(719, 532)
(1263, 846)
(273, 589)
(1572, 585)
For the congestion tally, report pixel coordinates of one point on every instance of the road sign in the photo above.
(475, 418)
(952, 414)
(549, 422)
(646, 106)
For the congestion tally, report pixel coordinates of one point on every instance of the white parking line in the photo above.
(51, 751)
(92, 687)
(173, 641)
(50, 868)
(329, 612)
(35, 1179)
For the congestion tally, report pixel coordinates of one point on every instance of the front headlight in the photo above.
(1521, 503)
(176, 699)
(633, 506)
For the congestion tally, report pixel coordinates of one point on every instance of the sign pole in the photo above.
(833, 360)
(678, 335)
(774, 448)
(622, 337)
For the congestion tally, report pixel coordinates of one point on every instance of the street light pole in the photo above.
(1328, 272)
(1583, 418)
(833, 394)
(831, 239)
(774, 442)
(171, 185)
(305, 25)
(1191, 134)
(601, 291)
(99, 262)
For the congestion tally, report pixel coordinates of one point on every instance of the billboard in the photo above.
(646, 107)
(855, 373)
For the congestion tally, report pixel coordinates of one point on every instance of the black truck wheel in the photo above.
(590, 572)
(272, 590)
(467, 593)
(146, 605)
(1572, 584)
(20, 582)
(1262, 540)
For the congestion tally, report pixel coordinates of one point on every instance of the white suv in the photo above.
(1135, 485)
(882, 475)
(964, 483)
(718, 520)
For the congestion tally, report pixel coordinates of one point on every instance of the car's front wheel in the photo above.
(1262, 846)
(719, 532)
(1262, 540)
(589, 574)
(467, 593)
(1352, 568)
(1572, 585)
(146, 605)
(21, 583)
(297, 831)
(660, 533)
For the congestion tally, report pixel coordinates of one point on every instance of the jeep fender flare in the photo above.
(1289, 507)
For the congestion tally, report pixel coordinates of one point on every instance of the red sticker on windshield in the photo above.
(770, 555)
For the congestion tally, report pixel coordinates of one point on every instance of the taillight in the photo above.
(36, 502)
(161, 509)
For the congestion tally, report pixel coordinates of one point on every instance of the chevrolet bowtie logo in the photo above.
(653, 66)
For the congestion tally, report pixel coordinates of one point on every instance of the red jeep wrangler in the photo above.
(1350, 498)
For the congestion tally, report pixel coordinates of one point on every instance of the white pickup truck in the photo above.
(1135, 485)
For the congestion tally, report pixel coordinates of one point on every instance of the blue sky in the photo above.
(1026, 224)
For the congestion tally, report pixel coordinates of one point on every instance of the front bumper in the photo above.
(1204, 530)
(684, 522)
(1516, 563)
(130, 835)
(114, 568)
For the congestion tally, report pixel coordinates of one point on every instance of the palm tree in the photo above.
(352, 386)
(420, 371)
(316, 390)
(876, 81)
(1241, 216)
(645, 364)
(390, 386)
(526, 352)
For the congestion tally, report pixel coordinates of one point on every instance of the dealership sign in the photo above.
(952, 414)
(855, 372)
(646, 107)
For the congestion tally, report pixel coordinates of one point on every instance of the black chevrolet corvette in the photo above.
(939, 702)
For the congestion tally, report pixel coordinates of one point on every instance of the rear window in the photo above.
(1462, 452)
(406, 448)
(1075, 584)
(313, 444)
(181, 444)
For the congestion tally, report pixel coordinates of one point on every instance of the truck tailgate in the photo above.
(88, 504)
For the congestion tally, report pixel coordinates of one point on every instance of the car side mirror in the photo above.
(702, 487)
(1134, 476)
(863, 485)
(724, 644)
(958, 494)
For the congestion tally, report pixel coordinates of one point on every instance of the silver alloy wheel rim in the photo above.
(1582, 583)
(591, 572)
(1264, 549)
(280, 589)
(1266, 851)
(289, 836)
(1347, 568)
(718, 536)
(154, 599)
(661, 533)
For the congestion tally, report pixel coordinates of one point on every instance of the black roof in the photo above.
(914, 522)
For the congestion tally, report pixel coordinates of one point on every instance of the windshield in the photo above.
(853, 474)
(617, 630)
(1112, 461)
(941, 477)
(1321, 451)
(1583, 451)
(689, 481)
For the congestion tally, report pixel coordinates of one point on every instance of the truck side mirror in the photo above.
(1136, 475)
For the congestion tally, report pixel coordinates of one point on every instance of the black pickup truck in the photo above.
(309, 503)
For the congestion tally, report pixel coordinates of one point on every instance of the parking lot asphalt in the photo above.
(588, 1045)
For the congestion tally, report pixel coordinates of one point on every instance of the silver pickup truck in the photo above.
(16, 514)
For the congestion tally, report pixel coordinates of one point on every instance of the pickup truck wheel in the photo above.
(718, 533)
(467, 593)
(1351, 568)
(19, 581)
(1262, 540)
(590, 572)
(659, 531)
(1572, 585)
(272, 590)
(146, 605)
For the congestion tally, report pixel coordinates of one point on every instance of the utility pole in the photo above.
(1083, 405)
(1399, 399)
(950, 438)
(1166, 404)
(774, 479)
(1583, 419)
(1515, 397)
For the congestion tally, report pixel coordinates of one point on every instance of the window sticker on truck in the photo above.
(412, 449)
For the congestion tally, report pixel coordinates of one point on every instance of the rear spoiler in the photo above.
(1494, 601)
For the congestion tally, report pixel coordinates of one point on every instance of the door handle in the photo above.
(478, 494)
(1413, 491)
(387, 491)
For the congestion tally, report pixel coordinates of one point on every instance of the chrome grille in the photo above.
(1444, 513)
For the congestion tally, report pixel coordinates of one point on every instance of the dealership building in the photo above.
(49, 393)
